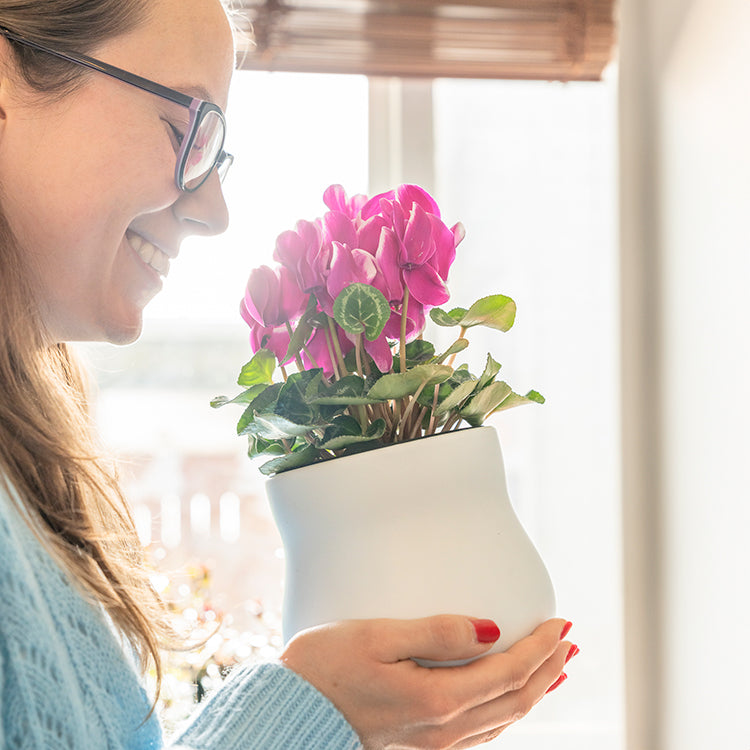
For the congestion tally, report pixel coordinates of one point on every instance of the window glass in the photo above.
(529, 168)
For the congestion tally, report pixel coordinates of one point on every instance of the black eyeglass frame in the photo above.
(198, 108)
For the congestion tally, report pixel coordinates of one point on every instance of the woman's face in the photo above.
(87, 181)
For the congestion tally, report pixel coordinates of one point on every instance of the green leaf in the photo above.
(419, 352)
(302, 332)
(303, 457)
(276, 427)
(258, 446)
(447, 319)
(343, 435)
(532, 397)
(484, 402)
(456, 397)
(457, 346)
(362, 308)
(264, 401)
(259, 370)
(243, 398)
(293, 402)
(491, 369)
(345, 392)
(398, 385)
(496, 311)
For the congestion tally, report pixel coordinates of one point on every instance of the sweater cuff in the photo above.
(268, 707)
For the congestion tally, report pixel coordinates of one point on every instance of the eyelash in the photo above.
(177, 135)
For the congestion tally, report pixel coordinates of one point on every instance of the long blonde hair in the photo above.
(48, 451)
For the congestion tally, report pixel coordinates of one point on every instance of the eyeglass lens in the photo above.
(204, 149)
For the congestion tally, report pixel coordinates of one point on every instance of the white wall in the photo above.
(685, 135)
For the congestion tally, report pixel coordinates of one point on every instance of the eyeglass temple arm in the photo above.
(111, 70)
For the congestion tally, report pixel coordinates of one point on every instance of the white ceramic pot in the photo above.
(409, 530)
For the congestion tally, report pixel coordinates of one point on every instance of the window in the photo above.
(528, 167)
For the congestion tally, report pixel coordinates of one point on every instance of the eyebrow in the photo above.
(198, 92)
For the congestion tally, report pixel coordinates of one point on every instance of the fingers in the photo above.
(365, 667)
(509, 671)
(438, 638)
(486, 719)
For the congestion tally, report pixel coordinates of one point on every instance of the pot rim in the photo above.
(336, 459)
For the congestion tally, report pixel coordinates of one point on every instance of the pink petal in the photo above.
(338, 227)
(335, 198)
(344, 270)
(408, 195)
(445, 248)
(368, 233)
(388, 279)
(374, 205)
(459, 232)
(380, 351)
(293, 299)
(417, 244)
(290, 249)
(262, 296)
(365, 265)
(415, 322)
(426, 286)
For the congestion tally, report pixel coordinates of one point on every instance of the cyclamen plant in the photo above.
(346, 308)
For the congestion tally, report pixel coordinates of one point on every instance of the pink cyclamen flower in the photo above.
(414, 240)
(348, 266)
(272, 297)
(415, 322)
(336, 199)
(320, 346)
(275, 338)
(305, 255)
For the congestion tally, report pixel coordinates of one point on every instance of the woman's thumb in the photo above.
(443, 637)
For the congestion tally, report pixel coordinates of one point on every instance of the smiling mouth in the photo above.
(148, 253)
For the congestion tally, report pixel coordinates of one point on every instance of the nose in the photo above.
(204, 211)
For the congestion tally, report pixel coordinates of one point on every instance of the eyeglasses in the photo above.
(201, 148)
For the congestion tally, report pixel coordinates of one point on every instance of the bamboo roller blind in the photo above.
(532, 39)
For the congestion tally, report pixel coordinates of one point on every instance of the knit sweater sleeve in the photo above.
(65, 680)
(267, 707)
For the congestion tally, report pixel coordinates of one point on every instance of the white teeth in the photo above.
(149, 253)
(160, 262)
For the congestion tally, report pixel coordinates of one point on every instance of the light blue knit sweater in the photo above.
(65, 683)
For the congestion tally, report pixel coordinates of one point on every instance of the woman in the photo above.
(102, 174)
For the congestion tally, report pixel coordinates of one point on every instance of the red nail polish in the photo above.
(559, 681)
(572, 652)
(487, 631)
(566, 629)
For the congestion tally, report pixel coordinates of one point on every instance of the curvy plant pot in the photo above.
(414, 529)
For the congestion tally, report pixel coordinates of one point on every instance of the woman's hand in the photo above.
(365, 668)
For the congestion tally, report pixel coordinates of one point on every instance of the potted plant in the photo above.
(418, 526)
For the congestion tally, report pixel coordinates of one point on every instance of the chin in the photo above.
(124, 335)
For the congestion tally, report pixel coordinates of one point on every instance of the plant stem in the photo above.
(404, 419)
(402, 339)
(297, 358)
(462, 335)
(337, 347)
(418, 423)
(332, 354)
(431, 426)
(452, 419)
(283, 373)
(358, 355)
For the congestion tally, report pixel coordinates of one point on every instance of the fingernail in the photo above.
(487, 631)
(566, 629)
(572, 652)
(559, 681)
